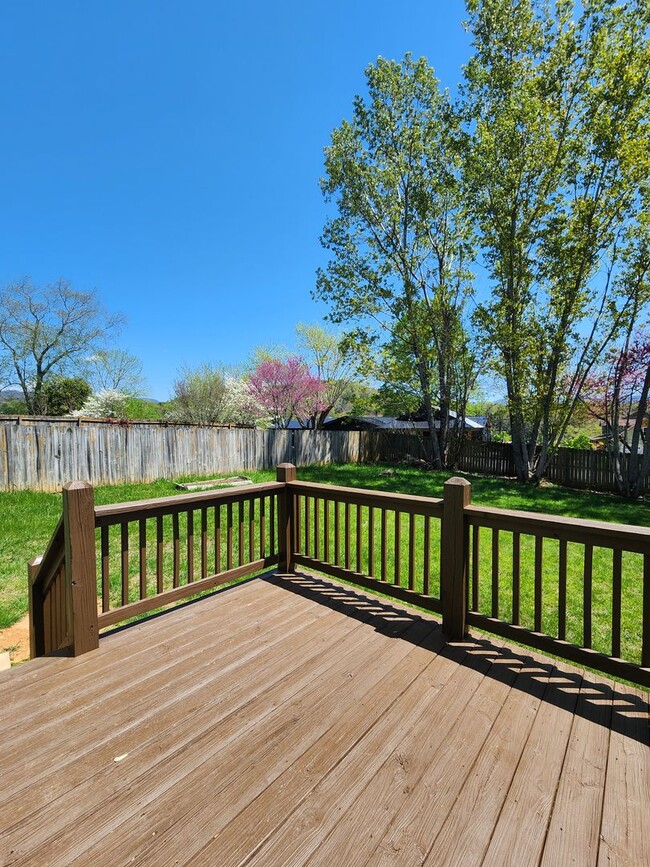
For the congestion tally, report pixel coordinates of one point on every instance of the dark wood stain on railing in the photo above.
(296, 530)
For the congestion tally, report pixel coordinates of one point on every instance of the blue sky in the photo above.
(168, 154)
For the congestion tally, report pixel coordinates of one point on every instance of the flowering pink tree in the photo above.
(286, 390)
(617, 395)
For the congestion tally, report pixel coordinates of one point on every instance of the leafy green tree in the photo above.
(322, 350)
(47, 330)
(64, 394)
(557, 100)
(13, 406)
(400, 239)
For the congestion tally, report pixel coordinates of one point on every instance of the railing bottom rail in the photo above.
(564, 649)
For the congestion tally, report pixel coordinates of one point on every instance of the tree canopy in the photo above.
(539, 174)
(400, 241)
(557, 101)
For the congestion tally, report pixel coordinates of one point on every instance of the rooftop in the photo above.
(291, 719)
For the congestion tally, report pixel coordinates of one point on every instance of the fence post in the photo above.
(285, 473)
(454, 557)
(80, 567)
(36, 623)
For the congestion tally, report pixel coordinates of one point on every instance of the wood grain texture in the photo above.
(292, 720)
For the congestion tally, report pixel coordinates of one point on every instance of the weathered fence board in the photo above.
(44, 454)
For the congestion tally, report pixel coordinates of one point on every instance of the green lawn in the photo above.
(29, 518)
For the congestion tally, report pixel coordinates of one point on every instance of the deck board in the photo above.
(291, 720)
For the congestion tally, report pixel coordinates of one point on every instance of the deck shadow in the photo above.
(603, 703)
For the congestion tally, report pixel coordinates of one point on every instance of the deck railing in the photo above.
(578, 589)
(106, 564)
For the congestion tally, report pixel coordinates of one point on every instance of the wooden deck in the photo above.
(292, 721)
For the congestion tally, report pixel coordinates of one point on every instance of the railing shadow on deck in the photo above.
(571, 588)
(607, 704)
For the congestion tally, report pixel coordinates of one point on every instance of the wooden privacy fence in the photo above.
(578, 589)
(44, 454)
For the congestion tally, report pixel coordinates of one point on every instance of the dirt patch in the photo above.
(15, 640)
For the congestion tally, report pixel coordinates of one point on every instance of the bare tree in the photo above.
(114, 370)
(49, 329)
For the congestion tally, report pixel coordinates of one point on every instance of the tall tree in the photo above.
(557, 100)
(400, 239)
(49, 329)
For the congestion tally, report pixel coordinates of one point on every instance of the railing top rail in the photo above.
(367, 497)
(134, 510)
(599, 533)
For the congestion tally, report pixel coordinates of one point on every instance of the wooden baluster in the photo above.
(371, 541)
(160, 549)
(36, 619)
(307, 546)
(272, 524)
(229, 555)
(645, 622)
(317, 545)
(337, 533)
(359, 539)
(251, 530)
(217, 539)
(125, 562)
(476, 551)
(495, 573)
(426, 577)
(326, 531)
(398, 548)
(204, 543)
(106, 570)
(143, 558)
(617, 572)
(177, 550)
(539, 542)
(262, 527)
(586, 595)
(190, 546)
(347, 536)
(384, 545)
(411, 552)
(240, 539)
(561, 601)
(516, 577)
(296, 511)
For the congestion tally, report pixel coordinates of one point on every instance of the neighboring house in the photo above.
(473, 428)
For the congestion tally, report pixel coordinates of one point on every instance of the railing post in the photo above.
(285, 473)
(80, 567)
(36, 623)
(454, 557)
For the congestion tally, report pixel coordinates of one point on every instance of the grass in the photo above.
(28, 519)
